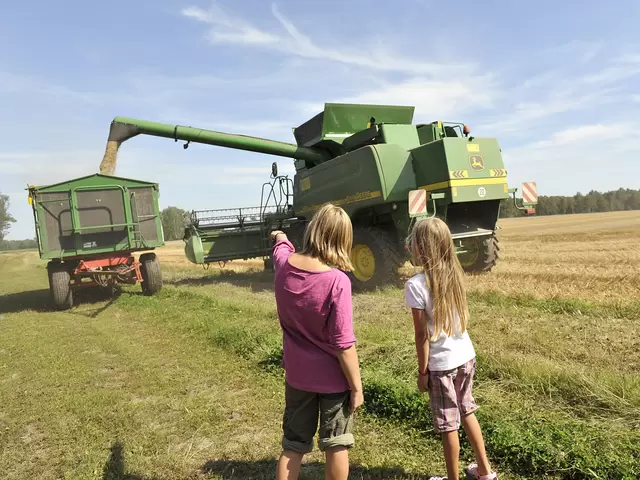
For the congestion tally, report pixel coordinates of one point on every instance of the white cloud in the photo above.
(437, 90)
(583, 51)
(592, 156)
(231, 30)
(585, 134)
(41, 168)
(44, 167)
(11, 84)
(235, 30)
(527, 112)
(444, 100)
(612, 74)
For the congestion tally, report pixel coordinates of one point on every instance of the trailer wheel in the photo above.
(375, 258)
(151, 274)
(60, 286)
(482, 255)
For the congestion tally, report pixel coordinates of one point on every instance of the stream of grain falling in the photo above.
(108, 165)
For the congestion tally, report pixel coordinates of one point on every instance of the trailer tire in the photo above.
(151, 274)
(485, 257)
(60, 286)
(375, 257)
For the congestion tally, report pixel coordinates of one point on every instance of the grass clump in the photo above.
(523, 440)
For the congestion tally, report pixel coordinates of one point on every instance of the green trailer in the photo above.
(367, 159)
(88, 229)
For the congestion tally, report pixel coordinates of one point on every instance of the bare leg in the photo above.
(337, 466)
(289, 465)
(472, 429)
(451, 444)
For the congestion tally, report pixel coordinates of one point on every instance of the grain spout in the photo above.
(108, 165)
(118, 133)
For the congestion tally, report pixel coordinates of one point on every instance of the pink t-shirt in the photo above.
(315, 314)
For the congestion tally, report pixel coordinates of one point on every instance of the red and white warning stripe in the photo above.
(417, 202)
(529, 192)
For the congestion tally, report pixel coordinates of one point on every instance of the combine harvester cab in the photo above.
(88, 229)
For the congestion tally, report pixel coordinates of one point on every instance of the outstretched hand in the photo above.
(275, 234)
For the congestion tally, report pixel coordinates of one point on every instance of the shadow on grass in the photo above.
(266, 469)
(40, 301)
(260, 281)
(37, 300)
(115, 467)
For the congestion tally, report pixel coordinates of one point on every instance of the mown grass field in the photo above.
(187, 384)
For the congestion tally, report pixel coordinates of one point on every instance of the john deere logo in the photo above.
(476, 162)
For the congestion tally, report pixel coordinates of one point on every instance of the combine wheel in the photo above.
(375, 258)
(151, 274)
(482, 254)
(60, 286)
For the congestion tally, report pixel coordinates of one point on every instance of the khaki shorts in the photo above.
(300, 422)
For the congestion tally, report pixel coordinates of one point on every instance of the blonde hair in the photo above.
(432, 249)
(329, 237)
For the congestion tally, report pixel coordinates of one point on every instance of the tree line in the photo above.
(593, 202)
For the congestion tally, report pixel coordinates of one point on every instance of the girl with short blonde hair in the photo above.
(313, 297)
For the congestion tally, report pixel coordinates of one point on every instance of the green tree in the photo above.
(5, 217)
(174, 221)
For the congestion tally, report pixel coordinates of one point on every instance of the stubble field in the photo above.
(187, 384)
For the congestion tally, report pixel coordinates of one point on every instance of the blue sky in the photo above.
(556, 83)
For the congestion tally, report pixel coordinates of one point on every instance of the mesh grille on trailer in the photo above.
(101, 207)
(143, 203)
(57, 221)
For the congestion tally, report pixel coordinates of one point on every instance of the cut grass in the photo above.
(137, 390)
(188, 384)
(565, 444)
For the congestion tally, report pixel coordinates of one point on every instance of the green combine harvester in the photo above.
(368, 159)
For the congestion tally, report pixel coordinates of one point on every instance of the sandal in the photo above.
(472, 472)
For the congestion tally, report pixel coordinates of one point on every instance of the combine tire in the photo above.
(151, 274)
(482, 256)
(375, 258)
(60, 286)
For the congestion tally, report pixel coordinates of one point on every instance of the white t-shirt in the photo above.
(446, 353)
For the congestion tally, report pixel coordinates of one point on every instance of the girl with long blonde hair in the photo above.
(446, 356)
